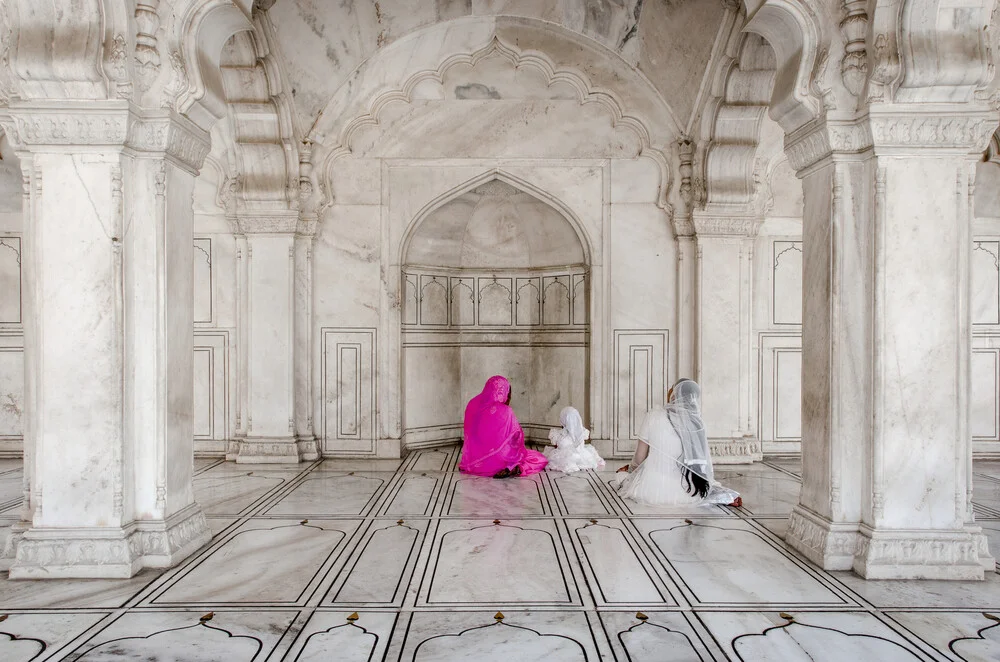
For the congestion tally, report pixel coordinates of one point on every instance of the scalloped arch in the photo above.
(517, 182)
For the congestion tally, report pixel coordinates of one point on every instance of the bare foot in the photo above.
(625, 468)
(738, 503)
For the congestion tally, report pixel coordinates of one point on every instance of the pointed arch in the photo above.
(498, 174)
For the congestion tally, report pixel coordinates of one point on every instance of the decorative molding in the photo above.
(854, 28)
(736, 451)
(117, 67)
(96, 123)
(818, 140)
(147, 54)
(172, 135)
(917, 554)
(969, 132)
(277, 223)
(705, 225)
(827, 544)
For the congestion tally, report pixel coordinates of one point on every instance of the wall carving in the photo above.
(481, 299)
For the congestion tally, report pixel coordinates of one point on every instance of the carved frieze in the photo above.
(96, 124)
(726, 225)
(960, 131)
(177, 138)
(267, 223)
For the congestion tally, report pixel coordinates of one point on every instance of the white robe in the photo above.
(571, 453)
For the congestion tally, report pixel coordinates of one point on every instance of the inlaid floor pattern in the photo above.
(411, 560)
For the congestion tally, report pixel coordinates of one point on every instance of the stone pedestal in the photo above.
(110, 311)
(723, 310)
(268, 290)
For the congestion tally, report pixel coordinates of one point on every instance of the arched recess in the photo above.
(495, 279)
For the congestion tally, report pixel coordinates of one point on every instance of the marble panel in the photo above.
(929, 594)
(765, 491)
(985, 282)
(704, 556)
(972, 637)
(339, 636)
(223, 491)
(988, 468)
(811, 637)
(379, 570)
(621, 574)
(10, 280)
(641, 377)
(234, 636)
(786, 284)
(246, 567)
(432, 460)
(340, 465)
(495, 637)
(514, 562)
(463, 301)
(11, 390)
(349, 493)
(28, 637)
(414, 494)
(660, 636)
(556, 300)
(985, 394)
(348, 390)
(577, 494)
(203, 285)
(476, 495)
(72, 593)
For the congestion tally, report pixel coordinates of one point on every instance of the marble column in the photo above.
(723, 310)
(886, 343)
(268, 349)
(110, 305)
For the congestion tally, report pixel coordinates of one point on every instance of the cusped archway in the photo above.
(495, 280)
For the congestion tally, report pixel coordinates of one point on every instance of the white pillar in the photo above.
(108, 240)
(268, 348)
(886, 344)
(724, 325)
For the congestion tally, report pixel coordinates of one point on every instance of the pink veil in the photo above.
(493, 438)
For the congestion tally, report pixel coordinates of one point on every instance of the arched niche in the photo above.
(495, 280)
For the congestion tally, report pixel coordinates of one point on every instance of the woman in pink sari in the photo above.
(494, 440)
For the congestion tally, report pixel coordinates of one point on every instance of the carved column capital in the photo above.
(168, 133)
(713, 224)
(65, 123)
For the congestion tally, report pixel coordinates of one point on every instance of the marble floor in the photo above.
(410, 560)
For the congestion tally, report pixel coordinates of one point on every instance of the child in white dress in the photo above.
(571, 453)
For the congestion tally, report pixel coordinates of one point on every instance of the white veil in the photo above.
(684, 411)
(573, 424)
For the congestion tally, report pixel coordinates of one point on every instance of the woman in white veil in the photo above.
(672, 464)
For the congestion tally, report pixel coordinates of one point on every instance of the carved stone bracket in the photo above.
(172, 135)
(67, 123)
(268, 223)
(818, 140)
(736, 224)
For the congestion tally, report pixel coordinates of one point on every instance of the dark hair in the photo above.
(694, 484)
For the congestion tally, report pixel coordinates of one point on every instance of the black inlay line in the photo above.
(600, 588)
(767, 542)
(349, 624)
(398, 488)
(361, 513)
(499, 623)
(260, 644)
(346, 573)
(255, 503)
(791, 623)
(561, 497)
(555, 552)
(646, 623)
(13, 637)
(188, 570)
(979, 636)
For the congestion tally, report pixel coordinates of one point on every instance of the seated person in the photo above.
(493, 441)
(672, 465)
(571, 453)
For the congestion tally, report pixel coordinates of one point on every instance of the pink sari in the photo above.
(494, 440)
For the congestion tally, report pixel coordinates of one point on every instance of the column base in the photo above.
(9, 552)
(917, 554)
(736, 450)
(983, 546)
(109, 553)
(273, 450)
(830, 545)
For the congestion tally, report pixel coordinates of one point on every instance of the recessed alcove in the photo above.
(494, 281)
